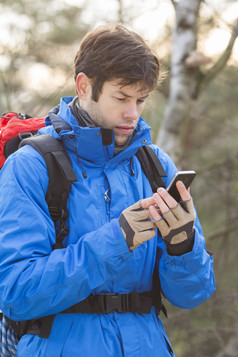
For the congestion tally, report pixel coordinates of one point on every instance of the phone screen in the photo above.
(186, 177)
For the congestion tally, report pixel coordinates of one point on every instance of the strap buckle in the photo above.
(114, 302)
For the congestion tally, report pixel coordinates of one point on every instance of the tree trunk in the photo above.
(175, 124)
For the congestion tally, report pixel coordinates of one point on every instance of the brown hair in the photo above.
(109, 53)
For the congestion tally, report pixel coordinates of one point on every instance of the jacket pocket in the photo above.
(168, 344)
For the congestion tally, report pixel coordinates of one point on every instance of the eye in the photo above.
(120, 99)
(141, 101)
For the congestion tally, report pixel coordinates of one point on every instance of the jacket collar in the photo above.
(90, 143)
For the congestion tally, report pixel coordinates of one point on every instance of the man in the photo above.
(113, 246)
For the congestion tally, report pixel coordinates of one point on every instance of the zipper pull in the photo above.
(107, 200)
(106, 196)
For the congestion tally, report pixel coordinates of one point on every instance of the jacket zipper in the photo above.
(108, 202)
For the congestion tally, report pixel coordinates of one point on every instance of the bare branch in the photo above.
(220, 64)
(232, 160)
(120, 12)
(173, 3)
(224, 231)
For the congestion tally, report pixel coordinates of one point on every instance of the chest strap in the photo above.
(108, 303)
(100, 304)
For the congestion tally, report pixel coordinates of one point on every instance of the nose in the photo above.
(131, 112)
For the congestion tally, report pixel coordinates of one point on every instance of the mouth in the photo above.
(125, 129)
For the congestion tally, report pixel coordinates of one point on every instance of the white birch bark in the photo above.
(182, 80)
(186, 79)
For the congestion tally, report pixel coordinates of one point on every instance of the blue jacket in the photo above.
(36, 281)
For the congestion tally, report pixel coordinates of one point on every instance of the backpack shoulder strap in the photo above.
(154, 171)
(61, 176)
(151, 166)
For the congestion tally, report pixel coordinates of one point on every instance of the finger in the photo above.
(139, 215)
(161, 203)
(147, 202)
(144, 225)
(189, 208)
(163, 227)
(167, 198)
(179, 212)
(142, 237)
(154, 213)
(184, 193)
(170, 217)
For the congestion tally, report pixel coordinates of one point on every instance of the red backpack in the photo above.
(13, 129)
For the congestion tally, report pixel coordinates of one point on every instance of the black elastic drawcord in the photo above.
(131, 164)
(84, 172)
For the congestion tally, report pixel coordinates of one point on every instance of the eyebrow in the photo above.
(129, 96)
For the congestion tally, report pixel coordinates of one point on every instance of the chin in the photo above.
(122, 141)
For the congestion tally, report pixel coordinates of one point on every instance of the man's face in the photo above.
(118, 108)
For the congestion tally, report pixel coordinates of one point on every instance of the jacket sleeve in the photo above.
(34, 280)
(187, 280)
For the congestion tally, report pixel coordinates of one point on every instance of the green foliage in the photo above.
(153, 111)
(212, 150)
(42, 38)
(205, 330)
(38, 62)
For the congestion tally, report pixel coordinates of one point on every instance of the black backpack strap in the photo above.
(61, 176)
(93, 304)
(156, 295)
(96, 304)
(154, 171)
(151, 166)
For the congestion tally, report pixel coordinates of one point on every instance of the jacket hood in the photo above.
(91, 144)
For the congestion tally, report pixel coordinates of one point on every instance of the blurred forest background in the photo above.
(193, 115)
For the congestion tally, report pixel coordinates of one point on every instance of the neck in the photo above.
(80, 114)
(85, 121)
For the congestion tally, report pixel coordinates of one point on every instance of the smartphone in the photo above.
(186, 177)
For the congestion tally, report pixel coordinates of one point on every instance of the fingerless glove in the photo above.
(177, 228)
(136, 225)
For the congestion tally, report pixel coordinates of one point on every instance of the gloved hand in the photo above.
(176, 227)
(174, 220)
(136, 225)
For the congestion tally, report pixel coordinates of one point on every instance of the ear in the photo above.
(83, 85)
